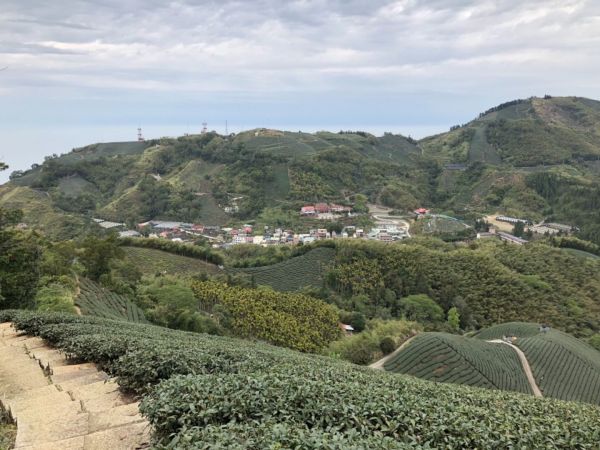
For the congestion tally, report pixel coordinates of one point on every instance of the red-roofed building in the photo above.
(421, 211)
(308, 211)
(322, 208)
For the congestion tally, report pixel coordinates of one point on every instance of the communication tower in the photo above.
(140, 137)
(204, 127)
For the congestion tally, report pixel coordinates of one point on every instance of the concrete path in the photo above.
(379, 364)
(59, 405)
(526, 367)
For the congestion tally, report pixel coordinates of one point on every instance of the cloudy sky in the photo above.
(80, 71)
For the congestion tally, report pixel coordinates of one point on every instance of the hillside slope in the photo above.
(535, 158)
(218, 392)
(563, 367)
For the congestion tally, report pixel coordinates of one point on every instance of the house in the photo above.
(347, 329)
(308, 211)
(339, 208)
(421, 211)
(322, 233)
(322, 208)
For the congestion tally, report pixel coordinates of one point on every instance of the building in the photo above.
(543, 229)
(421, 211)
(560, 227)
(129, 233)
(512, 220)
(510, 238)
(322, 208)
(308, 211)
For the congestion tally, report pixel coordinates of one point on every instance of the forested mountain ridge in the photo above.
(536, 158)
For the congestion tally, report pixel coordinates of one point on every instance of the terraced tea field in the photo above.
(95, 300)
(202, 391)
(295, 273)
(563, 366)
(151, 261)
(449, 358)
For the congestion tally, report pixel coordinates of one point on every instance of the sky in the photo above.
(74, 72)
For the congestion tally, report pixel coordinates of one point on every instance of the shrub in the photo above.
(387, 345)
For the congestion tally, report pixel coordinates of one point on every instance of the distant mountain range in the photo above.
(535, 158)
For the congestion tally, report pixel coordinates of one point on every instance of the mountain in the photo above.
(535, 158)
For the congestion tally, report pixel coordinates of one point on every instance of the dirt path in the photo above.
(77, 292)
(526, 367)
(379, 364)
(61, 405)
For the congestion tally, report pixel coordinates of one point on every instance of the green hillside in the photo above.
(295, 273)
(213, 392)
(151, 261)
(563, 367)
(95, 300)
(449, 358)
(536, 158)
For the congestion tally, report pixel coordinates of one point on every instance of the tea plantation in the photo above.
(151, 261)
(454, 359)
(95, 300)
(295, 273)
(208, 392)
(563, 366)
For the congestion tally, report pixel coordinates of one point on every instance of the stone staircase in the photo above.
(59, 405)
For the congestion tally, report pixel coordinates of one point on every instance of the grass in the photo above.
(295, 273)
(449, 358)
(8, 433)
(151, 261)
(95, 300)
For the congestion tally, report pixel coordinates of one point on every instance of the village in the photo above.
(385, 228)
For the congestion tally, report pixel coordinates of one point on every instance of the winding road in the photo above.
(526, 367)
(379, 364)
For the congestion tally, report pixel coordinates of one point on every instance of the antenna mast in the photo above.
(204, 127)
(140, 137)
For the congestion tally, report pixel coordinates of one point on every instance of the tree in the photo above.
(519, 229)
(595, 341)
(454, 318)
(97, 255)
(20, 254)
(421, 308)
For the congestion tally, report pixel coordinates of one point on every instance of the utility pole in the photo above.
(226, 129)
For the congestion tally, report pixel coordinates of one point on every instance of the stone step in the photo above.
(76, 443)
(21, 406)
(73, 383)
(69, 372)
(49, 357)
(34, 342)
(116, 417)
(128, 437)
(50, 423)
(37, 392)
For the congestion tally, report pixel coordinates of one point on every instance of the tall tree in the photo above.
(20, 255)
